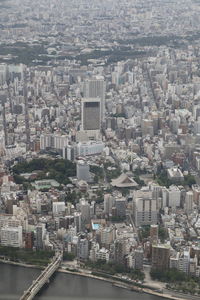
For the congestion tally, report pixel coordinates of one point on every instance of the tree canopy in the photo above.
(58, 169)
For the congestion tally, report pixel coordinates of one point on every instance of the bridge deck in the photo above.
(42, 278)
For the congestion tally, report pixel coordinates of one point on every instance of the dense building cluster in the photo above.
(100, 130)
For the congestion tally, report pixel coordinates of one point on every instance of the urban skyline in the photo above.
(100, 141)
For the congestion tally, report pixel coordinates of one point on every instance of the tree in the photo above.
(162, 234)
(68, 256)
(171, 275)
(145, 232)
(58, 169)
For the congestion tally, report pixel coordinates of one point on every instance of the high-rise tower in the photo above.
(91, 114)
(96, 88)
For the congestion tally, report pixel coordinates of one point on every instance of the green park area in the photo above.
(113, 268)
(56, 169)
(177, 280)
(163, 180)
(22, 52)
(39, 258)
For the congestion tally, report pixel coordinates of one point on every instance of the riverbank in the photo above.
(9, 262)
(123, 285)
(114, 282)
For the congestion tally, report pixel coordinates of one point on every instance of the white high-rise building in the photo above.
(156, 191)
(12, 236)
(188, 202)
(46, 141)
(83, 248)
(174, 196)
(77, 221)
(90, 148)
(165, 197)
(96, 88)
(184, 261)
(60, 141)
(58, 208)
(103, 254)
(107, 235)
(196, 111)
(53, 141)
(144, 208)
(197, 127)
(93, 252)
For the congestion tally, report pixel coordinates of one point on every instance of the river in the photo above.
(14, 280)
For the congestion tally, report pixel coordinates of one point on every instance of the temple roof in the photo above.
(124, 181)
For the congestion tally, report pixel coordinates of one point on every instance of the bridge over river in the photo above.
(37, 284)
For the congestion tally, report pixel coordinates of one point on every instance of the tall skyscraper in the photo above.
(188, 202)
(109, 203)
(107, 235)
(39, 233)
(96, 88)
(2, 102)
(77, 221)
(91, 114)
(83, 248)
(120, 205)
(85, 212)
